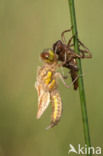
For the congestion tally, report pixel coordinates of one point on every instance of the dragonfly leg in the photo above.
(57, 74)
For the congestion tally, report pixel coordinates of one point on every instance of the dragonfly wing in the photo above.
(43, 99)
(38, 87)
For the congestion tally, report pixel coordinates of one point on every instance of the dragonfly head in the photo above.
(48, 56)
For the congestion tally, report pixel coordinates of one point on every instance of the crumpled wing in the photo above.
(43, 99)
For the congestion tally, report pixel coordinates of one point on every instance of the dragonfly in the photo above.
(47, 87)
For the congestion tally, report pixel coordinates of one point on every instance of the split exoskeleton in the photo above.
(67, 55)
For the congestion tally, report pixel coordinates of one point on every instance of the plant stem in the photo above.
(80, 81)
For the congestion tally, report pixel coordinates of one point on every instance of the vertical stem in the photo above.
(81, 84)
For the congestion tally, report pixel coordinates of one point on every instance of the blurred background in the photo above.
(26, 28)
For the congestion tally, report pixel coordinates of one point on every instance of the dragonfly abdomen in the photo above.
(56, 108)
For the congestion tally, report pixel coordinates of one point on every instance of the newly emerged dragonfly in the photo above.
(46, 85)
(67, 55)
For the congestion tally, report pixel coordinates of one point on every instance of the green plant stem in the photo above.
(80, 81)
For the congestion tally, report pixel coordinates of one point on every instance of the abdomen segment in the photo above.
(56, 108)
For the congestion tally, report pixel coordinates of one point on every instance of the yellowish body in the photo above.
(56, 107)
(46, 77)
(47, 91)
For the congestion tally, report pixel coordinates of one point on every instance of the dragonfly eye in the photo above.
(48, 56)
(44, 55)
